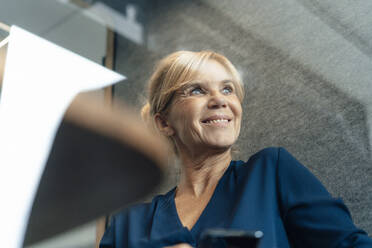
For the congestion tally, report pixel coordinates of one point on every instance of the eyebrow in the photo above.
(198, 83)
(227, 81)
(190, 85)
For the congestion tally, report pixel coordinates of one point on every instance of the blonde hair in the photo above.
(173, 72)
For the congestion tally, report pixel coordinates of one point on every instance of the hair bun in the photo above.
(145, 113)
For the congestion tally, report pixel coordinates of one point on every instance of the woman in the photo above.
(195, 101)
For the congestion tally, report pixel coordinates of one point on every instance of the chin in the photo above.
(221, 145)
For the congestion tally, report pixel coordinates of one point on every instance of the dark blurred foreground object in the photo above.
(101, 160)
(222, 238)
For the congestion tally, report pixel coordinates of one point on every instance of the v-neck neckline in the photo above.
(205, 210)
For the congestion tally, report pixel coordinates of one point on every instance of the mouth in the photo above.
(217, 119)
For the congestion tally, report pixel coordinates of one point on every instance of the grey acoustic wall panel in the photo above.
(306, 66)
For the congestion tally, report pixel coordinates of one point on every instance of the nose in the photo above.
(217, 101)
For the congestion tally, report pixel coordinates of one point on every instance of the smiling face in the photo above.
(206, 112)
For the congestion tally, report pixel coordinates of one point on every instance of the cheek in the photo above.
(237, 109)
(184, 116)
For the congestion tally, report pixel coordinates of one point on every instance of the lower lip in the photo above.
(217, 124)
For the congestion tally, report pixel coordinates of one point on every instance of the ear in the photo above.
(163, 125)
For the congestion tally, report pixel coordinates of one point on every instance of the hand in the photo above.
(183, 245)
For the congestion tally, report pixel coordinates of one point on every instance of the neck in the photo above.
(202, 173)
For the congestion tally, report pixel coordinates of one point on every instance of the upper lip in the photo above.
(217, 117)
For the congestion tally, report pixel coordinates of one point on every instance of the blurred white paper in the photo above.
(40, 81)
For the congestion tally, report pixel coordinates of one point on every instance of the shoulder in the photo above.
(268, 152)
(260, 166)
(272, 153)
(282, 161)
(274, 156)
(132, 222)
(143, 211)
(266, 157)
(268, 161)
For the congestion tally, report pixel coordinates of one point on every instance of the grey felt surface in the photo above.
(307, 70)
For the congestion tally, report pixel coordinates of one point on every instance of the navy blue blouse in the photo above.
(271, 192)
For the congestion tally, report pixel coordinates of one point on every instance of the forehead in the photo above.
(211, 71)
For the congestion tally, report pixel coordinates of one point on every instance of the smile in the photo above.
(217, 121)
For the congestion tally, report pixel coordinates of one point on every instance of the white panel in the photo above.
(40, 81)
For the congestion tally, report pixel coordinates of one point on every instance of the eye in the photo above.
(196, 91)
(227, 90)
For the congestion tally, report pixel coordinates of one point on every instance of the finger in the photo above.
(183, 245)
